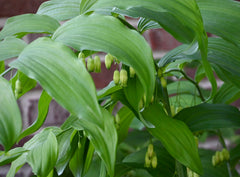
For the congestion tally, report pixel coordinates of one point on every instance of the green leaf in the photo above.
(220, 18)
(2, 67)
(181, 87)
(227, 94)
(126, 117)
(17, 164)
(108, 34)
(43, 158)
(67, 143)
(72, 122)
(210, 116)
(109, 89)
(11, 47)
(26, 83)
(175, 137)
(11, 155)
(10, 117)
(43, 106)
(66, 79)
(60, 9)
(145, 24)
(28, 23)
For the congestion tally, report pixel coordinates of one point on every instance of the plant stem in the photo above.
(189, 79)
(6, 71)
(221, 139)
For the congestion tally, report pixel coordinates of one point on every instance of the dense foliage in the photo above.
(164, 112)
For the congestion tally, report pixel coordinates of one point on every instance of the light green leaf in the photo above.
(28, 23)
(220, 18)
(108, 34)
(175, 137)
(181, 87)
(60, 9)
(10, 117)
(210, 116)
(146, 24)
(11, 47)
(227, 94)
(43, 106)
(109, 89)
(65, 78)
(2, 67)
(11, 155)
(43, 158)
(26, 83)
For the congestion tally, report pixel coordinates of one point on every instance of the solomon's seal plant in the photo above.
(154, 99)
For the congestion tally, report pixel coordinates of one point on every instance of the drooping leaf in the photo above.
(11, 155)
(227, 94)
(146, 24)
(26, 83)
(11, 47)
(43, 157)
(220, 18)
(210, 116)
(65, 78)
(28, 23)
(10, 117)
(108, 34)
(43, 106)
(175, 137)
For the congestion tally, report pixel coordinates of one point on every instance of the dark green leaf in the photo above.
(11, 155)
(108, 34)
(10, 117)
(126, 117)
(43, 106)
(181, 87)
(175, 136)
(67, 143)
(28, 23)
(26, 83)
(227, 94)
(11, 47)
(72, 122)
(221, 17)
(43, 157)
(66, 79)
(210, 116)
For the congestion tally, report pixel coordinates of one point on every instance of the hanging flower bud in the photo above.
(147, 161)
(132, 72)
(90, 65)
(163, 82)
(152, 99)
(123, 78)
(150, 150)
(159, 72)
(97, 64)
(18, 88)
(226, 154)
(116, 77)
(81, 55)
(108, 60)
(217, 154)
(214, 161)
(154, 161)
(117, 119)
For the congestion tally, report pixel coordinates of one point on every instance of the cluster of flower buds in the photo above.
(150, 157)
(117, 121)
(18, 88)
(120, 77)
(190, 173)
(220, 156)
(93, 65)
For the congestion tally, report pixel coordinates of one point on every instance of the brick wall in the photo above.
(159, 40)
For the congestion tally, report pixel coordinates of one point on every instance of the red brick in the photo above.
(10, 8)
(162, 40)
